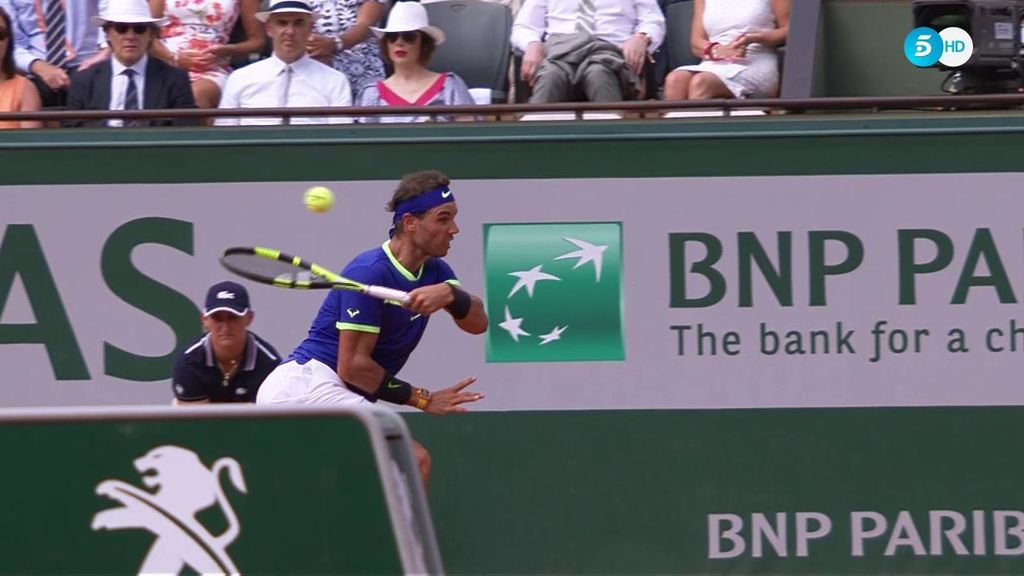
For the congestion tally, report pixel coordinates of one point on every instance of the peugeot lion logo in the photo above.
(184, 487)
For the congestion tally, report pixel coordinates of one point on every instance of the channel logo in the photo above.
(952, 47)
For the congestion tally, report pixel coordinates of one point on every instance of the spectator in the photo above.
(289, 78)
(52, 40)
(195, 38)
(594, 49)
(342, 39)
(130, 80)
(407, 44)
(736, 40)
(228, 362)
(17, 94)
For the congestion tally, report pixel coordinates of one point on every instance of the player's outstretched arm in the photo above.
(358, 368)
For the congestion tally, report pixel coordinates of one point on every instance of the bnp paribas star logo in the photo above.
(554, 292)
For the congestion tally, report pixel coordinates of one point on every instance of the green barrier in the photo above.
(217, 490)
(798, 491)
(798, 144)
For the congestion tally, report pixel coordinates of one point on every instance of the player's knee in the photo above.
(423, 460)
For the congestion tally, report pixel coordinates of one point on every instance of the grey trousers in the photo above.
(579, 65)
(554, 84)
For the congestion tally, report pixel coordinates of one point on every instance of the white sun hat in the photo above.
(127, 12)
(408, 16)
(283, 6)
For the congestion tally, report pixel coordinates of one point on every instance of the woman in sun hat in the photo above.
(407, 43)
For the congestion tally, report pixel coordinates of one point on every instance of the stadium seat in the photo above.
(476, 45)
(678, 23)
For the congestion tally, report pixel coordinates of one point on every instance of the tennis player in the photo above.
(358, 344)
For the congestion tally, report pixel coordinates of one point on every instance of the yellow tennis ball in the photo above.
(318, 199)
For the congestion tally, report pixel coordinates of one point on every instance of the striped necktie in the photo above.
(287, 72)
(585, 11)
(56, 33)
(131, 95)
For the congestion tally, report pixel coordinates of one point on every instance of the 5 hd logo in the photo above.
(952, 47)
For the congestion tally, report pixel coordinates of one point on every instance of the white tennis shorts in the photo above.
(311, 383)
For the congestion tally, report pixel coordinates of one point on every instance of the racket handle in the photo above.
(387, 293)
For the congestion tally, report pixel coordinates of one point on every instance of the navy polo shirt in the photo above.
(197, 376)
(398, 329)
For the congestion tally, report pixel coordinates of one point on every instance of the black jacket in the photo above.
(166, 87)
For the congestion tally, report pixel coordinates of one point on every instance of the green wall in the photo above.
(620, 492)
(623, 491)
(863, 50)
(898, 142)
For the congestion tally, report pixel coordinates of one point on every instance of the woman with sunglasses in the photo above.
(17, 93)
(195, 38)
(407, 44)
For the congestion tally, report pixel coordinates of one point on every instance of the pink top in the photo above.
(393, 99)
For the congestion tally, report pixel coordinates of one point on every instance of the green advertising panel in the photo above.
(906, 491)
(202, 491)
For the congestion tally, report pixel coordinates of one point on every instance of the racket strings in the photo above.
(274, 270)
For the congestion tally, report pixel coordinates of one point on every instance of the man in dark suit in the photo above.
(130, 80)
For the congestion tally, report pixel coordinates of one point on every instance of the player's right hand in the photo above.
(451, 399)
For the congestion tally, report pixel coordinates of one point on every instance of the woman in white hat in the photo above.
(407, 43)
(195, 38)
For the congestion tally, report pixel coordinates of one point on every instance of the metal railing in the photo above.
(512, 112)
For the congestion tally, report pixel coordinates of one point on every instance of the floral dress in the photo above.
(360, 63)
(198, 24)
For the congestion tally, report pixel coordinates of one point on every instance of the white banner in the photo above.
(896, 290)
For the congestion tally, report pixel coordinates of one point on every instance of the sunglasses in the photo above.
(408, 37)
(4, 33)
(124, 28)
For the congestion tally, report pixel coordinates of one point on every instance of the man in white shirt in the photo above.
(289, 78)
(590, 49)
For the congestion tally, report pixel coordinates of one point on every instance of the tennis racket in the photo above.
(269, 266)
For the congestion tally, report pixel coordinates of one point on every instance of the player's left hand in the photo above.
(429, 299)
(450, 400)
